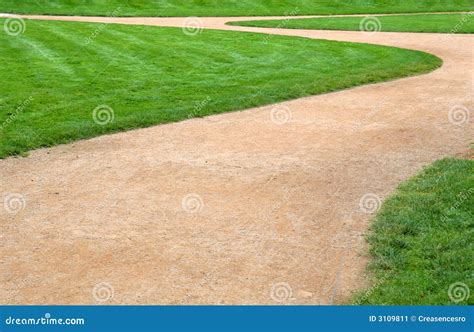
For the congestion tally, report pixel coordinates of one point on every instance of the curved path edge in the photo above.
(232, 208)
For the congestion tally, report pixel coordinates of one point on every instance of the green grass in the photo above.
(422, 238)
(444, 23)
(52, 82)
(229, 7)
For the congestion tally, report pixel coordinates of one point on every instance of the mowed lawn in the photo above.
(56, 73)
(441, 23)
(421, 239)
(229, 7)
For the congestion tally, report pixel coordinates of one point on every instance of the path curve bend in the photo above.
(232, 208)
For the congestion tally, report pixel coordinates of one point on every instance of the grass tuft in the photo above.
(421, 240)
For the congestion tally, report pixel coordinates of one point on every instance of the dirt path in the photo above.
(238, 208)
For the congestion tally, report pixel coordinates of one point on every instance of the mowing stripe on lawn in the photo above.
(228, 7)
(163, 74)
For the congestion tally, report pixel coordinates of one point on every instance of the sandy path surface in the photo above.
(260, 206)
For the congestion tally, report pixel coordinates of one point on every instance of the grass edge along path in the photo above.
(421, 240)
(229, 7)
(435, 23)
(164, 76)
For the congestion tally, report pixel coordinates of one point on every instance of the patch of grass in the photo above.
(229, 7)
(422, 239)
(442, 23)
(56, 73)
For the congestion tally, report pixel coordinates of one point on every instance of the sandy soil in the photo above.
(267, 205)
